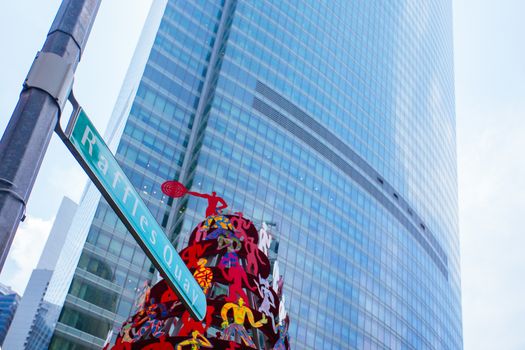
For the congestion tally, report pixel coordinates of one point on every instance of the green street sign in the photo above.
(88, 147)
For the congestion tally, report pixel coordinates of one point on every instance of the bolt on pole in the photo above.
(37, 112)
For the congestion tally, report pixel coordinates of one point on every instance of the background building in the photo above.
(335, 120)
(35, 318)
(8, 303)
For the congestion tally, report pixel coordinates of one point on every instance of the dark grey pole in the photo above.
(36, 114)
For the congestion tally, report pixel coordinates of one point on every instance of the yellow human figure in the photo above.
(196, 341)
(203, 275)
(240, 312)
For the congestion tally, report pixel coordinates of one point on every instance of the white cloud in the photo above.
(25, 251)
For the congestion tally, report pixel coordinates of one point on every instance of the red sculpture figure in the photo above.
(255, 257)
(168, 295)
(213, 200)
(240, 224)
(176, 189)
(191, 254)
(236, 276)
(189, 324)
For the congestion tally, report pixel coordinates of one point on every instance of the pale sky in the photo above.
(23, 28)
(490, 100)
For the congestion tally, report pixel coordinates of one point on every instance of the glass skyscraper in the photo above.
(335, 121)
(35, 317)
(9, 301)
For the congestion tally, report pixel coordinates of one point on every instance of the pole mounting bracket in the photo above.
(10, 189)
(52, 74)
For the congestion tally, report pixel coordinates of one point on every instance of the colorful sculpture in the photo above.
(196, 342)
(232, 246)
(265, 239)
(236, 329)
(283, 337)
(228, 258)
(238, 281)
(176, 189)
(268, 301)
(203, 275)
(213, 201)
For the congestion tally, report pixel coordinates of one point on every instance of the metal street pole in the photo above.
(37, 112)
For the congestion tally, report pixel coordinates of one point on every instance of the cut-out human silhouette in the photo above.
(268, 301)
(236, 329)
(176, 189)
(237, 278)
(203, 275)
(283, 337)
(196, 342)
(189, 325)
(213, 201)
(265, 239)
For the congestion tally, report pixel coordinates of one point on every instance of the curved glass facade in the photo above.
(333, 120)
